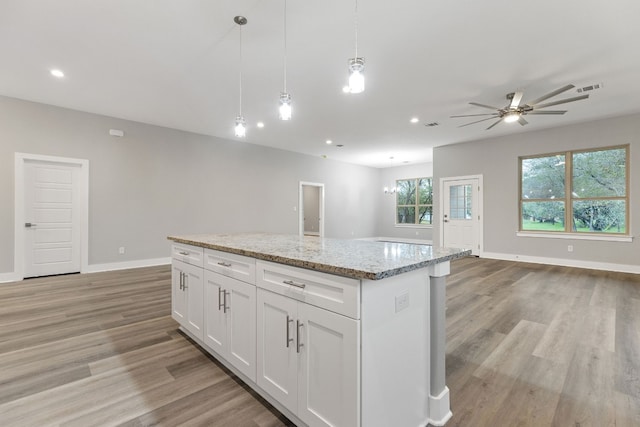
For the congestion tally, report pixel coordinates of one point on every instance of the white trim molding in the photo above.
(563, 262)
(124, 265)
(575, 236)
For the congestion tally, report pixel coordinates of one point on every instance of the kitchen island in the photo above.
(330, 331)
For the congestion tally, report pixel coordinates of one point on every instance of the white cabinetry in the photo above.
(230, 320)
(308, 356)
(186, 296)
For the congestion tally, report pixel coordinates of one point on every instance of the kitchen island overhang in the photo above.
(399, 313)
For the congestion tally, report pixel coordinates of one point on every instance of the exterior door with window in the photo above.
(461, 216)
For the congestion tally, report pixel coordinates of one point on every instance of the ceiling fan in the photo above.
(515, 109)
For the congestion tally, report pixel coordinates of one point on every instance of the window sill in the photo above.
(573, 236)
(413, 226)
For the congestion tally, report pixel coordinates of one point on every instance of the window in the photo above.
(414, 201)
(576, 192)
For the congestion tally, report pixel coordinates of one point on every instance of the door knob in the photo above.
(29, 225)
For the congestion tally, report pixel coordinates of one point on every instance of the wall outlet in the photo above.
(570, 248)
(402, 301)
(121, 250)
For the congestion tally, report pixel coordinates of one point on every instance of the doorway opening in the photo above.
(311, 209)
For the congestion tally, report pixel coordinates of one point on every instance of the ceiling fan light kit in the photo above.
(515, 110)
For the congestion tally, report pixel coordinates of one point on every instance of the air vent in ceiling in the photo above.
(432, 124)
(589, 88)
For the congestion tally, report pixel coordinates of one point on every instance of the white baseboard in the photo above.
(606, 266)
(111, 266)
(95, 268)
(9, 277)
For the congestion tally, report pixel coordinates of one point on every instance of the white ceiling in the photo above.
(175, 63)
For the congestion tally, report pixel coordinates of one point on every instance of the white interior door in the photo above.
(52, 214)
(461, 219)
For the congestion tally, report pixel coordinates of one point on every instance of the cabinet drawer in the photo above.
(231, 265)
(338, 294)
(186, 253)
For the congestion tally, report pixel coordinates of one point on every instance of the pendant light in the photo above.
(356, 65)
(240, 129)
(284, 109)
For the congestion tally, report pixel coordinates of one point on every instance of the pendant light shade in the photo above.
(284, 110)
(356, 75)
(240, 128)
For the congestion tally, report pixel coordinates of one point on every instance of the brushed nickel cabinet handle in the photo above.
(224, 264)
(298, 343)
(289, 339)
(183, 252)
(220, 302)
(225, 306)
(292, 283)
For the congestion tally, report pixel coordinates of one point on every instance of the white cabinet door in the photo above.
(178, 296)
(186, 296)
(215, 324)
(193, 287)
(230, 321)
(241, 326)
(329, 372)
(277, 357)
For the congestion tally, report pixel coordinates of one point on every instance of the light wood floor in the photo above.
(528, 345)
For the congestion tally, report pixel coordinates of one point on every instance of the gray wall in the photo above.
(497, 160)
(157, 181)
(386, 216)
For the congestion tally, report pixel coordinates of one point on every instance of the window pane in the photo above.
(426, 215)
(599, 216)
(543, 177)
(600, 173)
(460, 201)
(543, 216)
(406, 215)
(425, 194)
(406, 192)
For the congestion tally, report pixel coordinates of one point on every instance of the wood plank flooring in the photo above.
(528, 345)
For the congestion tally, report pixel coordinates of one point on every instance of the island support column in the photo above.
(439, 409)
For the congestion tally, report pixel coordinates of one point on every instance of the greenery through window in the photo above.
(576, 191)
(414, 201)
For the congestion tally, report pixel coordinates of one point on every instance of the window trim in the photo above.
(569, 199)
(417, 205)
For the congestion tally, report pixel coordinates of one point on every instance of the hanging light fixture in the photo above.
(356, 65)
(284, 109)
(240, 129)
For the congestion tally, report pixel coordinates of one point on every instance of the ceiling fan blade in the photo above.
(562, 101)
(474, 115)
(485, 106)
(547, 112)
(522, 121)
(515, 102)
(552, 94)
(495, 123)
(477, 121)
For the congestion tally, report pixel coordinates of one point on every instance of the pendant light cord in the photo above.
(284, 66)
(356, 25)
(240, 69)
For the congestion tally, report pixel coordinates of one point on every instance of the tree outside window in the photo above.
(414, 201)
(575, 192)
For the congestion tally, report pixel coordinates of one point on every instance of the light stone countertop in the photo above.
(359, 259)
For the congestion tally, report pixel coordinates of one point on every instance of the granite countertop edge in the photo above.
(321, 267)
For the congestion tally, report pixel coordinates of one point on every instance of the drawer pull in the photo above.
(224, 264)
(292, 283)
(183, 253)
(289, 339)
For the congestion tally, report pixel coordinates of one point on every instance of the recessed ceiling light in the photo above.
(414, 120)
(57, 73)
(260, 125)
(329, 142)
